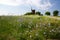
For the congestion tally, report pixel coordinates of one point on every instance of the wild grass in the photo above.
(29, 28)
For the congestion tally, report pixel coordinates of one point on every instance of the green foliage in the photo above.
(29, 28)
(29, 13)
(38, 13)
(47, 13)
(55, 13)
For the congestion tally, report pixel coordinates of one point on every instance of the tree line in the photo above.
(55, 13)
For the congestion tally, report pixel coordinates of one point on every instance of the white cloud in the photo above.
(41, 4)
(11, 2)
(3, 12)
(7, 13)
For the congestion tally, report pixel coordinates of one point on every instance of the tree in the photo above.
(47, 13)
(38, 13)
(55, 13)
(28, 13)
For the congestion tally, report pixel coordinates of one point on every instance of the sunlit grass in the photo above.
(31, 27)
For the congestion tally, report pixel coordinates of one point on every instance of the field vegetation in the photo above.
(29, 27)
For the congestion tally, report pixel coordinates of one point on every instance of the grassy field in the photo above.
(31, 27)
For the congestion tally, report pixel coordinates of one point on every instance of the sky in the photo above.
(20, 7)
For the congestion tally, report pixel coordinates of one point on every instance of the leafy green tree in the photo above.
(28, 13)
(38, 13)
(55, 13)
(47, 13)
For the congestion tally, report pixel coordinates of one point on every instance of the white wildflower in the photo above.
(29, 26)
(27, 31)
(30, 36)
(49, 24)
(36, 34)
(36, 25)
(50, 31)
(44, 33)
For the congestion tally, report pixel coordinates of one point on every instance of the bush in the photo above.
(47, 13)
(28, 13)
(38, 13)
(55, 13)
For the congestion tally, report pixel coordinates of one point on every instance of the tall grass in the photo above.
(29, 28)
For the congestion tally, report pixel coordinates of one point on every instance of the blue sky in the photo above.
(20, 7)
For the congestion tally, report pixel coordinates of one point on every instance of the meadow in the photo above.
(31, 27)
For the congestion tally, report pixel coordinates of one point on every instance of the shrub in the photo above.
(38, 13)
(55, 13)
(47, 13)
(28, 13)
